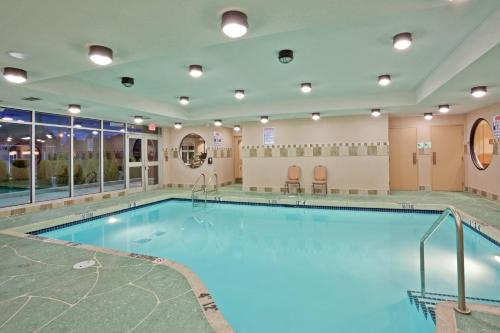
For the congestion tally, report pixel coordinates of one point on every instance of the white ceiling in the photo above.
(341, 46)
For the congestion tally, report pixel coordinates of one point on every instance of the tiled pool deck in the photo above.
(40, 291)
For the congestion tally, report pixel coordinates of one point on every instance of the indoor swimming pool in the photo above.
(301, 269)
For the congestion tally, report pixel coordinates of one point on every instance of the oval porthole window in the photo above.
(481, 144)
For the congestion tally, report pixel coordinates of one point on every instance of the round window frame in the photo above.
(473, 154)
(180, 151)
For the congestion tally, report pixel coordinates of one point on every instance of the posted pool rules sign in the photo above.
(496, 127)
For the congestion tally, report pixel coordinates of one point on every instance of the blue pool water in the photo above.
(280, 269)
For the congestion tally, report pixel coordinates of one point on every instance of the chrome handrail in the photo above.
(202, 188)
(461, 306)
(216, 186)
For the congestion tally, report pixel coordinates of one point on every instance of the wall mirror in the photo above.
(193, 151)
(481, 144)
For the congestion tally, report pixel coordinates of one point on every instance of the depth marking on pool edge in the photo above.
(210, 306)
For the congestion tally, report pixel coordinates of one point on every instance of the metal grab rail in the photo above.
(461, 306)
(216, 186)
(201, 189)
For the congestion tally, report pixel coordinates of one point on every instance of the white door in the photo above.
(143, 162)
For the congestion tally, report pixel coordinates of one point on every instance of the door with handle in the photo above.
(403, 161)
(447, 158)
(143, 162)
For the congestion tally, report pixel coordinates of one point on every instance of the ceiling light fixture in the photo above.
(384, 80)
(402, 41)
(178, 125)
(184, 100)
(376, 112)
(239, 94)
(217, 122)
(195, 70)
(479, 91)
(444, 108)
(100, 55)
(285, 56)
(315, 116)
(17, 55)
(264, 119)
(234, 23)
(138, 119)
(428, 116)
(237, 128)
(306, 87)
(74, 108)
(15, 75)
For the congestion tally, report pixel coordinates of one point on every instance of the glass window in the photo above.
(9, 114)
(85, 122)
(86, 161)
(153, 175)
(135, 128)
(112, 125)
(15, 164)
(481, 144)
(114, 161)
(53, 119)
(135, 177)
(52, 162)
(134, 150)
(152, 150)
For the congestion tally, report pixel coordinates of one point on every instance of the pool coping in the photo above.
(205, 300)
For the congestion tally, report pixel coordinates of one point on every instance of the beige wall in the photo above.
(350, 167)
(486, 181)
(175, 172)
(424, 135)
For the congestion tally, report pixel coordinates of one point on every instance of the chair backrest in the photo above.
(319, 173)
(293, 172)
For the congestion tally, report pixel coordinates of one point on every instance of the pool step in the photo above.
(428, 303)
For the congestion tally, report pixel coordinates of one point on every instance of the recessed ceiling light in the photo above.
(444, 108)
(138, 119)
(237, 128)
(178, 125)
(195, 70)
(74, 108)
(100, 55)
(402, 41)
(479, 91)
(239, 94)
(264, 119)
(234, 24)
(428, 116)
(15, 75)
(315, 116)
(218, 122)
(376, 112)
(184, 100)
(17, 55)
(384, 80)
(306, 87)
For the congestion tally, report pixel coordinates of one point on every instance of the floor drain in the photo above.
(84, 264)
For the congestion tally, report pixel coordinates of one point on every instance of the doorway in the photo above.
(143, 162)
(403, 164)
(447, 158)
(238, 161)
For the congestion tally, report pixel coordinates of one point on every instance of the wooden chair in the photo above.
(293, 178)
(320, 179)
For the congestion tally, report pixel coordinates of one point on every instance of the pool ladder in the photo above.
(461, 305)
(197, 188)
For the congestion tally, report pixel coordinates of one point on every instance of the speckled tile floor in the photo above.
(41, 292)
(478, 322)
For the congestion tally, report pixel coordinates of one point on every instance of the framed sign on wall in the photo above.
(269, 136)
